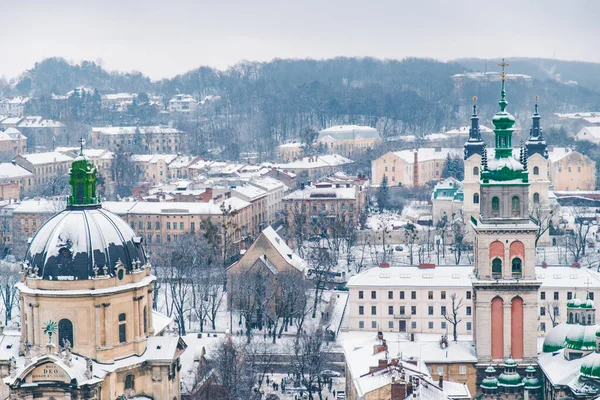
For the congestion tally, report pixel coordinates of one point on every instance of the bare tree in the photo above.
(577, 240)
(321, 260)
(232, 370)
(9, 277)
(459, 231)
(452, 316)
(410, 232)
(308, 362)
(552, 308)
(543, 215)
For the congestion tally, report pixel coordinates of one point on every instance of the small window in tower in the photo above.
(65, 332)
(145, 319)
(476, 198)
(129, 382)
(536, 198)
(536, 170)
(516, 206)
(122, 328)
(495, 206)
(475, 171)
(517, 268)
(497, 268)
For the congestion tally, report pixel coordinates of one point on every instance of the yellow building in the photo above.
(45, 166)
(87, 325)
(153, 168)
(153, 139)
(14, 181)
(12, 143)
(571, 170)
(348, 139)
(411, 168)
(289, 152)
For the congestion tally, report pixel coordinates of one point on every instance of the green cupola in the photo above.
(503, 166)
(83, 181)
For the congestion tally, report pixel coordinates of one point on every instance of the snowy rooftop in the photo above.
(40, 206)
(46, 158)
(12, 171)
(11, 134)
(283, 249)
(465, 129)
(178, 208)
(182, 161)
(320, 193)
(39, 122)
(329, 160)
(294, 145)
(153, 158)
(11, 121)
(248, 193)
(130, 130)
(594, 131)
(348, 132)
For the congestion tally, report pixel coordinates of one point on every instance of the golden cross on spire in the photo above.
(503, 64)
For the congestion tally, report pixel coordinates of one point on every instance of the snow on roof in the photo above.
(13, 171)
(11, 120)
(558, 369)
(557, 153)
(294, 145)
(182, 98)
(282, 248)
(448, 276)
(329, 160)
(11, 134)
(427, 154)
(182, 161)
(130, 130)
(46, 158)
(267, 183)
(348, 132)
(178, 208)
(9, 346)
(594, 131)
(153, 158)
(320, 193)
(18, 100)
(39, 122)
(119, 96)
(248, 192)
(433, 137)
(464, 130)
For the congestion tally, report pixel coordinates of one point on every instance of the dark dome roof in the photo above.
(70, 244)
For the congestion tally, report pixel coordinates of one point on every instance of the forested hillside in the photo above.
(266, 103)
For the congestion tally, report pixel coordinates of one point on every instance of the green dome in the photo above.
(588, 304)
(555, 339)
(582, 337)
(489, 383)
(574, 303)
(590, 368)
(510, 362)
(530, 381)
(512, 379)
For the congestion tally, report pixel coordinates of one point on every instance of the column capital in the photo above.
(97, 305)
(106, 304)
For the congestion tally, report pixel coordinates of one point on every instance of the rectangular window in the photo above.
(413, 295)
(181, 225)
(591, 294)
(543, 326)
(373, 310)
(430, 310)
(413, 325)
(443, 324)
(361, 310)
(401, 310)
(443, 310)
(168, 238)
(542, 311)
(569, 295)
(556, 311)
(149, 225)
(168, 225)
(193, 226)
(390, 310)
(469, 312)
(360, 294)
(443, 295)
(361, 324)
(402, 295)
(430, 295)
(157, 225)
(468, 295)
(462, 369)
(430, 324)
(555, 295)
(373, 294)
(468, 326)
(390, 295)
(413, 310)
(374, 324)
(542, 295)
(391, 324)
(140, 225)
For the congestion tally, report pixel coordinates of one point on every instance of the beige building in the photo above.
(447, 200)
(411, 168)
(258, 205)
(152, 139)
(348, 139)
(88, 330)
(182, 103)
(45, 166)
(153, 168)
(14, 181)
(571, 170)
(12, 143)
(289, 152)
(322, 208)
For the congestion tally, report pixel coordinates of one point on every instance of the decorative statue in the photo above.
(13, 367)
(88, 368)
(50, 329)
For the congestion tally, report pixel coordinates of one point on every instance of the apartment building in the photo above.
(571, 170)
(323, 207)
(416, 298)
(151, 139)
(45, 166)
(153, 168)
(315, 167)
(14, 181)
(21, 220)
(348, 139)
(182, 103)
(275, 191)
(258, 205)
(13, 107)
(411, 168)
(589, 134)
(12, 143)
(289, 152)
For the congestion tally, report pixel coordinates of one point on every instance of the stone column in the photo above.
(107, 332)
(507, 327)
(98, 332)
(136, 301)
(140, 312)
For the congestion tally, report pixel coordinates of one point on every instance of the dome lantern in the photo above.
(83, 181)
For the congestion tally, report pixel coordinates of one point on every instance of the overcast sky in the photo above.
(163, 38)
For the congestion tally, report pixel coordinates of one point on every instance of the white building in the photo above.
(182, 103)
(590, 134)
(14, 107)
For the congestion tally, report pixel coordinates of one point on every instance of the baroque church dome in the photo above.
(83, 240)
(555, 339)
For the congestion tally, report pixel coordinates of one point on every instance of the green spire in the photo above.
(83, 181)
(503, 122)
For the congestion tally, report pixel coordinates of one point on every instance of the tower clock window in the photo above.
(497, 268)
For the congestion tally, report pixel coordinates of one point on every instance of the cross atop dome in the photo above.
(503, 64)
(81, 143)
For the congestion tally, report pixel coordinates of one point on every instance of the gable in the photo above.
(48, 372)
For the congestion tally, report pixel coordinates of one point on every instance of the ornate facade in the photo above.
(86, 312)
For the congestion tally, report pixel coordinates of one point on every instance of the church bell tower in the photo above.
(504, 283)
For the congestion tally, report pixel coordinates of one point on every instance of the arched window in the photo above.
(516, 206)
(496, 268)
(517, 268)
(536, 198)
(495, 205)
(476, 198)
(122, 328)
(130, 382)
(476, 171)
(65, 332)
(536, 170)
(570, 317)
(145, 319)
